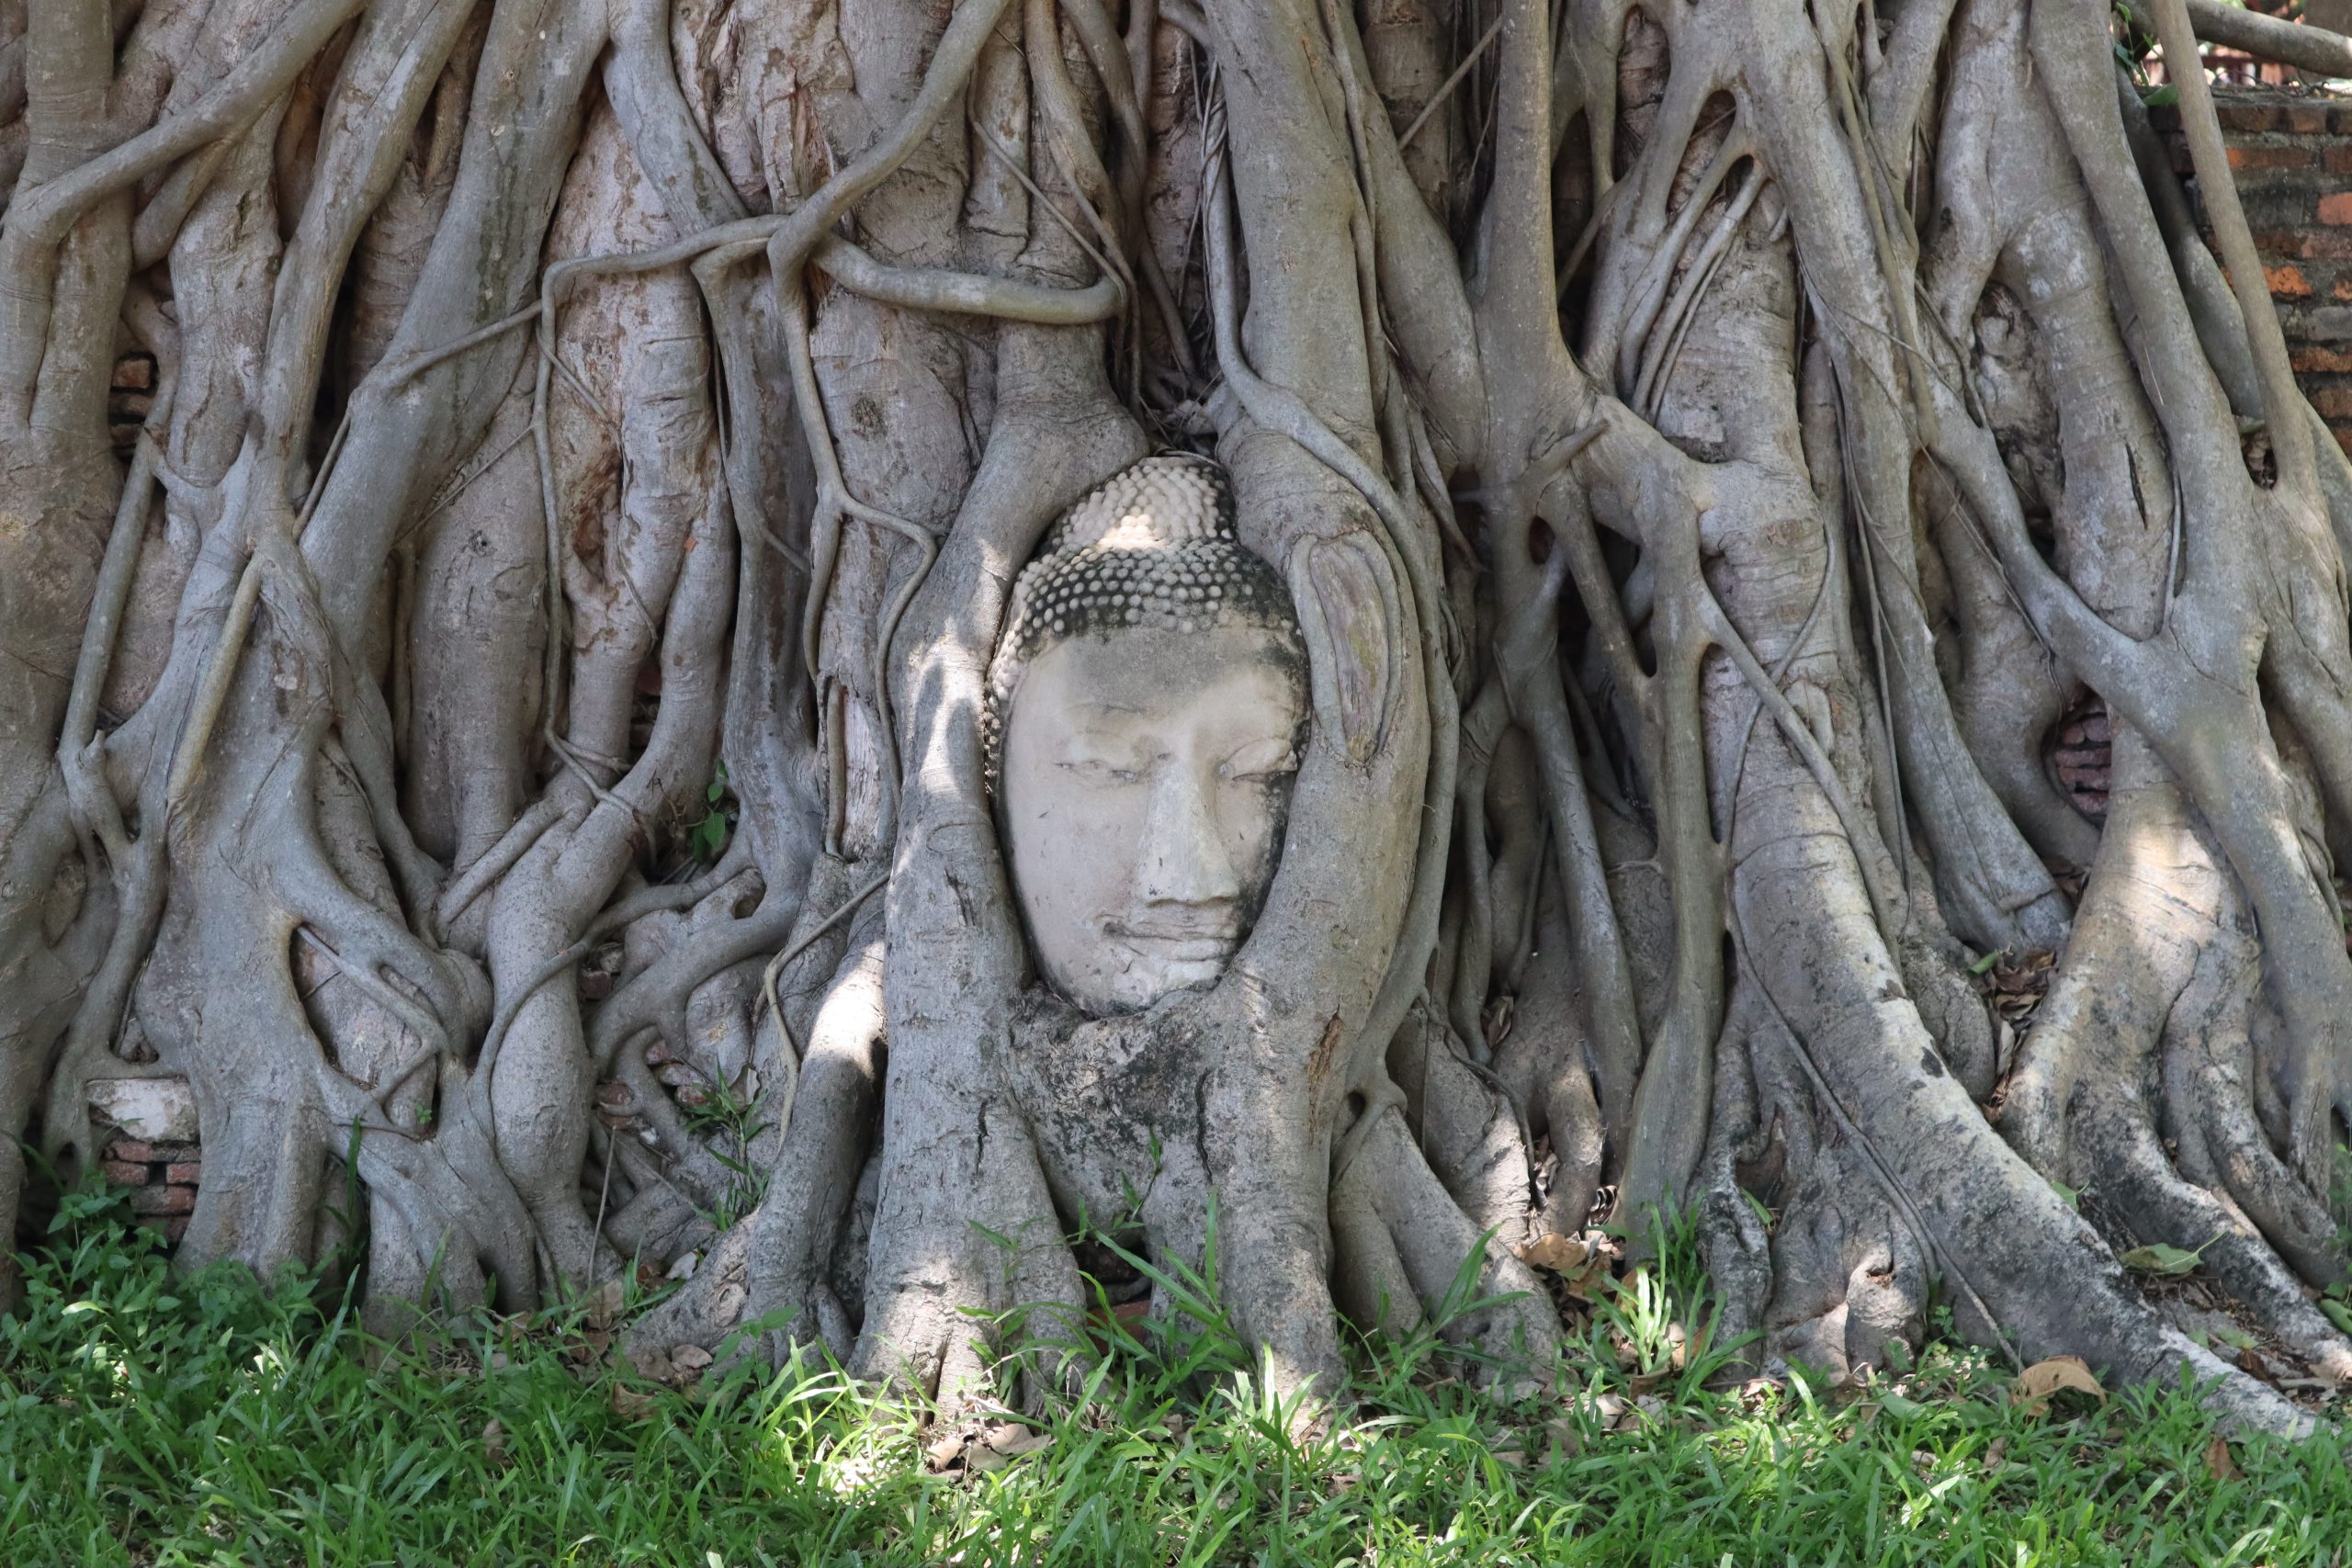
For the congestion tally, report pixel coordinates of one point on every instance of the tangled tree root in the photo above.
(1708, 447)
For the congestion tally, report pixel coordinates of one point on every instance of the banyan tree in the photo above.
(807, 646)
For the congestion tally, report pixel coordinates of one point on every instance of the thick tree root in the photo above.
(1707, 449)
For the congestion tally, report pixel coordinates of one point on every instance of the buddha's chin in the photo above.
(1152, 974)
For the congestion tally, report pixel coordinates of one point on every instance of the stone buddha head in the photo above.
(1147, 704)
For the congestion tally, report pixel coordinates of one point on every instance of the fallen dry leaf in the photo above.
(604, 1307)
(493, 1444)
(1560, 1254)
(1012, 1439)
(2038, 1382)
(689, 1359)
(982, 1458)
(2217, 1459)
(632, 1405)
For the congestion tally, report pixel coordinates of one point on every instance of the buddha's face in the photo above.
(1146, 777)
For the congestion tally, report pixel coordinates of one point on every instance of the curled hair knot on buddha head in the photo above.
(1153, 546)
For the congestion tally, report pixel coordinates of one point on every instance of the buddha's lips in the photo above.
(1179, 942)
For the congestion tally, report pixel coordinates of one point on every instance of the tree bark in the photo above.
(512, 721)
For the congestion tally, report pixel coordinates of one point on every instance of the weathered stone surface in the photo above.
(155, 1111)
(163, 1199)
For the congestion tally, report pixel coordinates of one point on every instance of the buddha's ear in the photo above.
(1350, 614)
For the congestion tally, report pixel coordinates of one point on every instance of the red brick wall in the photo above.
(162, 1178)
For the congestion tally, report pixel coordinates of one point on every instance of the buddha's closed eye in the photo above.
(1105, 773)
(1267, 759)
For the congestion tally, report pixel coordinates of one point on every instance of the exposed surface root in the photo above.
(1709, 449)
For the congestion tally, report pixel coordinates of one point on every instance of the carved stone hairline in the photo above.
(1154, 546)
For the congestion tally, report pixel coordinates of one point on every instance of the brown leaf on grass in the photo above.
(1000, 1443)
(493, 1444)
(943, 1451)
(630, 1404)
(689, 1359)
(1561, 1253)
(2040, 1383)
(1014, 1441)
(604, 1307)
(2217, 1459)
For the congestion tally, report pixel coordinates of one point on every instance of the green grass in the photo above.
(167, 1421)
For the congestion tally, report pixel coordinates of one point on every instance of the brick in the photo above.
(2306, 119)
(2081, 757)
(2242, 114)
(2333, 402)
(2280, 203)
(2094, 729)
(2269, 157)
(2072, 735)
(132, 1151)
(2312, 359)
(134, 374)
(2287, 279)
(2328, 322)
(175, 1228)
(185, 1175)
(2335, 206)
(123, 1174)
(2337, 160)
(163, 1199)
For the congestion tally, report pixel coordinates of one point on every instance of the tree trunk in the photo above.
(514, 722)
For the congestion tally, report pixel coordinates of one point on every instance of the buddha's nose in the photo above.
(1184, 861)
